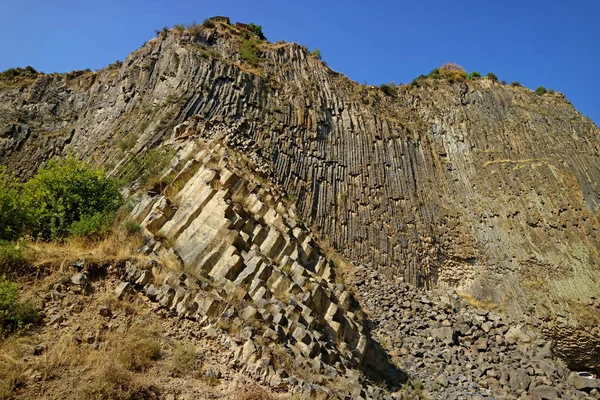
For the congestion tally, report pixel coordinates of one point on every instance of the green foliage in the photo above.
(540, 90)
(492, 76)
(389, 89)
(249, 51)
(208, 23)
(12, 215)
(474, 75)
(69, 197)
(317, 53)
(503, 82)
(179, 27)
(131, 227)
(515, 84)
(11, 256)
(420, 80)
(435, 73)
(116, 65)
(14, 315)
(146, 168)
(257, 30)
(12, 73)
(551, 91)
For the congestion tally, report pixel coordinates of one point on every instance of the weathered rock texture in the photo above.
(488, 188)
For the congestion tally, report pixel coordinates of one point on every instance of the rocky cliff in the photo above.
(483, 187)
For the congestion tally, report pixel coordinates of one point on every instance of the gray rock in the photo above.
(79, 279)
(519, 379)
(122, 289)
(545, 392)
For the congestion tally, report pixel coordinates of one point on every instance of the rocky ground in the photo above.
(457, 351)
(95, 344)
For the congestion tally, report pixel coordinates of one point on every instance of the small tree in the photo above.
(69, 197)
(540, 90)
(389, 89)
(492, 76)
(452, 72)
(257, 29)
(317, 53)
(515, 84)
(474, 75)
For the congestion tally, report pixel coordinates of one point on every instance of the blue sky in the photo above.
(553, 43)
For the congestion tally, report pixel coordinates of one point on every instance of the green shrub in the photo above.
(388, 88)
(474, 75)
(435, 73)
(492, 76)
(503, 82)
(257, 29)
(540, 90)
(14, 315)
(131, 227)
(146, 168)
(249, 52)
(317, 53)
(208, 23)
(92, 226)
(11, 257)
(179, 27)
(551, 91)
(116, 65)
(12, 215)
(12, 73)
(515, 84)
(69, 197)
(419, 80)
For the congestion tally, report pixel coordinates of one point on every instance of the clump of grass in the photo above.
(486, 304)
(11, 375)
(115, 382)
(131, 227)
(138, 350)
(183, 360)
(15, 315)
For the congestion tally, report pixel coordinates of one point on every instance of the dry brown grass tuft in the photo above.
(138, 350)
(118, 246)
(184, 359)
(254, 393)
(12, 374)
(113, 381)
(486, 304)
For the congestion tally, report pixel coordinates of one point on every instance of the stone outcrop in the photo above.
(488, 188)
(246, 264)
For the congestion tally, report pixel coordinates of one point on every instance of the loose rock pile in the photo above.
(462, 352)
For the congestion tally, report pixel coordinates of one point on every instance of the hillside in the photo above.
(241, 153)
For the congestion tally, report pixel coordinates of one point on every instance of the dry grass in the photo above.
(184, 359)
(139, 349)
(119, 245)
(253, 393)
(486, 304)
(113, 381)
(12, 374)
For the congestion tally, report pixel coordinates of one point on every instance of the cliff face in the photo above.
(488, 188)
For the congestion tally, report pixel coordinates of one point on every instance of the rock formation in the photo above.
(489, 189)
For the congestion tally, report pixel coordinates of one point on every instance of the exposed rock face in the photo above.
(488, 188)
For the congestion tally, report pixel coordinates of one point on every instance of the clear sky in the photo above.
(552, 43)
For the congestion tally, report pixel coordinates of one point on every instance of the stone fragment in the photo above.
(122, 289)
